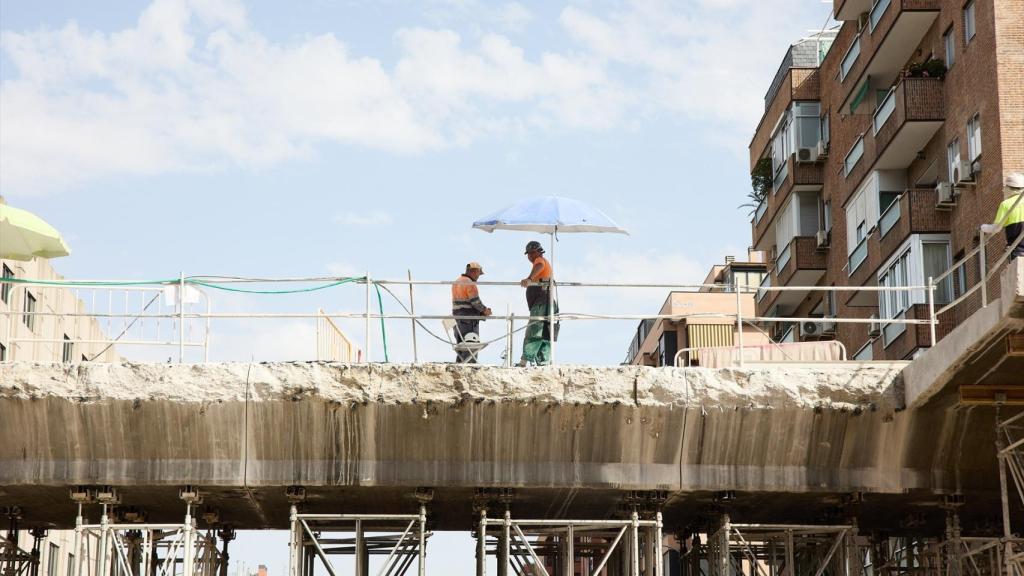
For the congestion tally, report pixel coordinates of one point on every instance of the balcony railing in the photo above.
(877, 11)
(859, 254)
(766, 283)
(889, 218)
(761, 209)
(784, 256)
(884, 110)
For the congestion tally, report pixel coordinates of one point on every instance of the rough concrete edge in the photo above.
(826, 386)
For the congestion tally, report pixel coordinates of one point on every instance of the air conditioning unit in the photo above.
(946, 196)
(807, 155)
(822, 238)
(875, 328)
(963, 174)
(822, 149)
(817, 329)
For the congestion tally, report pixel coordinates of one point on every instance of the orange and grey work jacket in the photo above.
(466, 298)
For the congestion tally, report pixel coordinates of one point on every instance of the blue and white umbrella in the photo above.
(550, 215)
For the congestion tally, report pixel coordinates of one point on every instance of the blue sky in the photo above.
(314, 138)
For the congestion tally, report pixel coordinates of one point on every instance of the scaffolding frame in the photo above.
(145, 549)
(626, 547)
(402, 537)
(14, 561)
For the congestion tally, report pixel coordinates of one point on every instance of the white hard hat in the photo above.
(1014, 180)
(471, 337)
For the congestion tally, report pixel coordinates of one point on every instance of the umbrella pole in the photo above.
(551, 298)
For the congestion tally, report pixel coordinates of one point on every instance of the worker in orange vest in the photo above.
(537, 341)
(466, 302)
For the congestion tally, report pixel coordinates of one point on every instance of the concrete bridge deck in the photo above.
(795, 443)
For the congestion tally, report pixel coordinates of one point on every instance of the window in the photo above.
(781, 149)
(30, 306)
(825, 129)
(5, 290)
(71, 565)
(826, 216)
(865, 353)
(892, 303)
(808, 124)
(861, 212)
(969, 30)
(853, 156)
(949, 41)
(921, 257)
(53, 560)
(68, 352)
(935, 258)
(974, 137)
(952, 159)
(3, 353)
(850, 59)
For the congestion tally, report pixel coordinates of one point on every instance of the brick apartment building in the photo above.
(886, 140)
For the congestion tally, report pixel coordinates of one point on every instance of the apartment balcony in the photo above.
(791, 83)
(850, 9)
(906, 120)
(800, 263)
(878, 54)
(795, 177)
(914, 212)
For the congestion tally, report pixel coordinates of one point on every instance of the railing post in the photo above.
(739, 321)
(481, 544)
(931, 309)
(412, 312)
(422, 559)
(366, 327)
(181, 318)
(983, 266)
(509, 329)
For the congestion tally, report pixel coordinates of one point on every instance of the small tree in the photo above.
(760, 184)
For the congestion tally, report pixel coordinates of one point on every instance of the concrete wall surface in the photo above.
(791, 440)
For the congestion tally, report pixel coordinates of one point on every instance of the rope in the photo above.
(253, 291)
(383, 331)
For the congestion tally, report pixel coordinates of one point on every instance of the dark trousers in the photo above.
(463, 327)
(1012, 232)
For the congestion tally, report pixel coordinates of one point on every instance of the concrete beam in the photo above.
(560, 436)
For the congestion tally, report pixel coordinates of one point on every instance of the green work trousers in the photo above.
(537, 341)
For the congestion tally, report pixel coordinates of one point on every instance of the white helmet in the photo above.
(471, 337)
(1014, 180)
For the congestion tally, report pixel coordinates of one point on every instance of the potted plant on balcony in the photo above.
(760, 184)
(930, 68)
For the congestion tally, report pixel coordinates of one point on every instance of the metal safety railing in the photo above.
(339, 346)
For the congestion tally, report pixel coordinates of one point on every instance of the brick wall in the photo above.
(987, 78)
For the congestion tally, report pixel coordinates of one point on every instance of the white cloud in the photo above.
(708, 60)
(192, 86)
(375, 218)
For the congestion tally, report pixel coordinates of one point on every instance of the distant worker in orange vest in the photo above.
(1010, 214)
(466, 302)
(537, 341)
